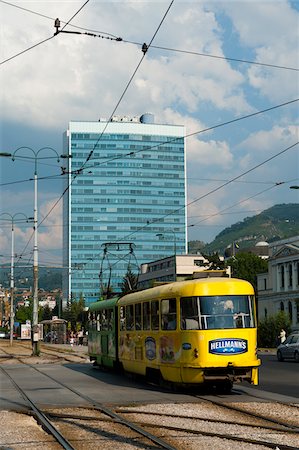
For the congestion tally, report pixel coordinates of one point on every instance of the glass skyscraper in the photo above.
(124, 202)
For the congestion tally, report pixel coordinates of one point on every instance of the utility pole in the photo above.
(12, 285)
(35, 327)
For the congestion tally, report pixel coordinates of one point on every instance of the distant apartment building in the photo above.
(278, 289)
(125, 200)
(171, 268)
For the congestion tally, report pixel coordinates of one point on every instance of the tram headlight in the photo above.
(195, 352)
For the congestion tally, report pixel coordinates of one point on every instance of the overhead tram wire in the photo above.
(74, 15)
(126, 88)
(53, 18)
(212, 191)
(174, 139)
(44, 40)
(26, 50)
(235, 204)
(111, 115)
(169, 49)
(222, 211)
(208, 55)
(213, 127)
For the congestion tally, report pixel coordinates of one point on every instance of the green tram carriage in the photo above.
(189, 332)
(103, 332)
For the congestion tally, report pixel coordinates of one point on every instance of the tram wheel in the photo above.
(224, 387)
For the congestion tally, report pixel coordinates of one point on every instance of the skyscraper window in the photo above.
(152, 179)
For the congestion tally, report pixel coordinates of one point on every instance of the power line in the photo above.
(207, 55)
(188, 52)
(125, 90)
(113, 112)
(212, 191)
(232, 206)
(44, 40)
(26, 50)
(53, 18)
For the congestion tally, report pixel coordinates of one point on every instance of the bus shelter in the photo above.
(54, 331)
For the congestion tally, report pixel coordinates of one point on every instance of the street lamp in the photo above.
(174, 246)
(12, 220)
(35, 344)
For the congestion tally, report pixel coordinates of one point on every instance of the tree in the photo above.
(215, 262)
(129, 283)
(246, 266)
(23, 313)
(46, 313)
(74, 313)
(269, 329)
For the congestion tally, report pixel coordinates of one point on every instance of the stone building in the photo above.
(278, 289)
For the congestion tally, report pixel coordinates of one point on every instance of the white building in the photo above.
(173, 268)
(278, 289)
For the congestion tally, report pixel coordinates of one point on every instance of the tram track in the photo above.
(169, 431)
(248, 412)
(239, 431)
(43, 417)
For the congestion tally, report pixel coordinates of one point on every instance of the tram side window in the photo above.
(93, 321)
(146, 316)
(122, 318)
(97, 321)
(189, 313)
(110, 319)
(138, 316)
(104, 320)
(155, 315)
(168, 314)
(130, 317)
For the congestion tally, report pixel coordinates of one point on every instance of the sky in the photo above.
(210, 65)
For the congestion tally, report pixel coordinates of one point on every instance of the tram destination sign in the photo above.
(225, 346)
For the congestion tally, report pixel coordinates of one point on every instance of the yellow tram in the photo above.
(188, 332)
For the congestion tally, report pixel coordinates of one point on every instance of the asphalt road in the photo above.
(279, 377)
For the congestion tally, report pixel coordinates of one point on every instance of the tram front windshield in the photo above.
(212, 312)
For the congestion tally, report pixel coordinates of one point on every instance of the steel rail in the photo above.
(225, 436)
(40, 416)
(191, 431)
(240, 391)
(101, 408)
(225, 422)
(249, 413)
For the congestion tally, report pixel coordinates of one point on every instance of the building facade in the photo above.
(125, 201)
(278, 289)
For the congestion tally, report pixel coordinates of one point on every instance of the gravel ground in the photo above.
(21, 432)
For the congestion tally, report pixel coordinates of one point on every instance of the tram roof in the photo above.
(204, 287)
(102, 304)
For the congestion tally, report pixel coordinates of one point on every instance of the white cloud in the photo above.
(77, 77)
(271, 29)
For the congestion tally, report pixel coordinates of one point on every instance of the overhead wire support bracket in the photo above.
(57, 26)
(144, 48)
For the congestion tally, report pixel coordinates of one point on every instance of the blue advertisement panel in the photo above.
(225, 346)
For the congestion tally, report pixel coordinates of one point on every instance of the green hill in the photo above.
(277, 222)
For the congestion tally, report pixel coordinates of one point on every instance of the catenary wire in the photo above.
(191, 134)
(53, 18)
(44, 40)
(188, 52)
(222, 211)
(208, 55)
(212, 191)
(125, 90)
(74, 15)
(113, 112)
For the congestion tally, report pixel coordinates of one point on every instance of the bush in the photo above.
(269, 329)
